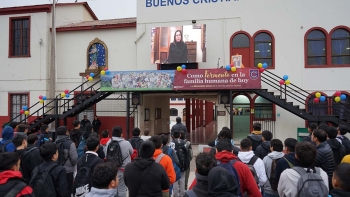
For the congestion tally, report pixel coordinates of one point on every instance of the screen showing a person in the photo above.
(178, 44)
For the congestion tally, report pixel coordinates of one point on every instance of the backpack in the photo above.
(229, 167)
(272, 179)
(346, 143)
(82, 181)
(42, 139)
(310, 183)
(255, 143)
(136, 147)
(61, 146)
(25, 165)
(42, 183)
(114, 153)
(81, 147)
(176, 167)
(3, 146)
(15, 185)
(250, 165)
(182, 155)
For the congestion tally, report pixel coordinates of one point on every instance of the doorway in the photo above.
(241, 117)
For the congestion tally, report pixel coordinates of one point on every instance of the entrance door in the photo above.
(241, 117)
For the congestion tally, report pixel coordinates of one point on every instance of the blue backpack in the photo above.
(176, 168)
(229, 167)
(81, 147)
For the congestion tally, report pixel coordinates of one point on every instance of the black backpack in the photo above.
(14, 185)
(273, 181)
(61, 146)
(42, 183)
(182, 155)
(346, 143)
(114, 153)
(25, 165)
(3, 146)
(255, 143)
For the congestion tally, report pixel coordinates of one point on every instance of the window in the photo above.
(316, 48)
(180, 99)
(340, 47)
(173, 99)
(19, 37)
(240, 41)
(263, 109)
(17, 101)
(173, 112)
(317, 109)
(263, 49)
(342, 109)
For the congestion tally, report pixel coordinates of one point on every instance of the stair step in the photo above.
(297, 106)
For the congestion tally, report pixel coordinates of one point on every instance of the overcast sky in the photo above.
(104, 9)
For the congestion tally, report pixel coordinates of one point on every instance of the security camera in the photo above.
(194, 21)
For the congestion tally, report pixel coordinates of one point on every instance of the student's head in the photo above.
(96, 118)
(178, 120)
(62, 130)
(94, 134)
(7, 133)
(13, 125)
(32, 138)
(225, 134)
(157, 141)
(266, 135)
(176, 134)
(224, 144)
(105, 176)
(105, 134)
(246, 145)
(117, 131)
(48, 151)
(305, 153)
(146, 132)
(342, 130)
(332, 132)
(341, 177)
(136, 131)
(165, 139)
(276, 145)
(319, 136)
(221, 183)
(85, 117)
(182, 135)
(88, 127)
(20, 141)
(289, 145)
(257, 126)
(76, 124)
(44, 128)
(147, 149)
(92, 143)
(22, 128)
(9, 161)
(323, 126)
(312, 127)
(177, 36)
(204, 163)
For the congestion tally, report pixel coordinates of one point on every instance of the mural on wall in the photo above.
(97, 55)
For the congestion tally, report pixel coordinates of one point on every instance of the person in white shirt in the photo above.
(146, 135)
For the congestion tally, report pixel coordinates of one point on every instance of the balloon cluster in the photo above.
(319, 98)
(284, 80)
(65, 94)
(262, 67)
(24, 110)
(231, 67)
(339, 96)
(42, 99)
(182, 69)
(105, 71)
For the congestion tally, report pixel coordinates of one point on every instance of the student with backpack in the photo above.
(43, 135)
(342, 130)
(11, 181)
(337, 148)
(304, 180)
(288, 160)
(341, 180)
(6, 144)
(222, 183)
(49, 175)
(32, 154)
(105, 138)
(264, 148)
(255, 135)
(82, 144)
(135, 142)
(85, 167)
(270, 162)
(76, 133)
(20, 141)
(188, 146)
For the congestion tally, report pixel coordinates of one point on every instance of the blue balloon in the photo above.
(67, 95)
(343, 97)
(228, 67)
(285, 77)
(322, 98)
(264, 65)
(25, 108)
(183, 66)
(107, 72)
(92, 74)
(44, 98)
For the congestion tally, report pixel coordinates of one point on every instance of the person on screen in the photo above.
(177, 50)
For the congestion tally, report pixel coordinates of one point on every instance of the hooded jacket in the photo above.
(221, 183)
(177, 127)
(75, 136)
(7, 134)
(339, 193)
(268, 163)
(154, 181)
(283, 164)
(125, 148)
(246, 178)
(201, 188)
(9, 175)
(167, 164)
(101, 192)
(263, 149)
(325, 160)
(338, 150)
(30, 159)
(69, 151)
(259, 167)
(173, 155)
(256, 139)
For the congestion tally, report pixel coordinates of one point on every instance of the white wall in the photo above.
(71, 14)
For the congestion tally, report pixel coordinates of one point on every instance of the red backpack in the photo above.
(136, 144)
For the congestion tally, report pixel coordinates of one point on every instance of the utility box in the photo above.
(301, 133)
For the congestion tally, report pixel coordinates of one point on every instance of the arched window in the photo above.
(263, 46)
(240, 41)
(316, 48)
(173, 112)
(240, 48)
(342, 109)
(317, 109)
(340, 46)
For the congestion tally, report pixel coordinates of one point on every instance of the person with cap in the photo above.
(6, 144)
(144, 176)
(178, 126)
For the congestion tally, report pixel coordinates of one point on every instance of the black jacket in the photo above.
(58, 175)
(338, 150)
(201, 187)
(75, 136)
(10, 179)
(136, 142)
(256, 140)
(283, 164)
(325, 160)
(178, 127)
(96, 124)
(263, 149)
(221, 183)
(89, 158)
(30, 159)
(339, 193)
(154, 181)
(100, 152)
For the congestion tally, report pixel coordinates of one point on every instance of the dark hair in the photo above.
(88, 127)
(136, 131)
(306, 153)
(8, 160)
(92, 143)
(257, 126)
(175, 40)
(178, 119)
(246, 144)
(320, 134)
(147, 149)
(224, 144)
(43, 128)
(117, 131)
(146, 131)
(76, 123)
(18, 139)
(267, 135)
(103, 175)
(165, 139)
(277, 145)
(157, 140)
(323, 126)
(343, 129)
(105, 133)
(182, 135)
(22, 127)
(13, 124)
(94, 134)
(332, 132)
(32, 138)
(290, 144)
(62, 130)
(47, 150)
(225, 128)
(225, 134)
(204, 163)
(176, 134)
(312, 126)
(342, 175)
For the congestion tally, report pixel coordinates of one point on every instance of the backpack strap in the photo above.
(160, 157)
(289, 163)
(5, 144)
(16, 189)
(299, 170)
(253, 160)
(170, 151)
(28, 151)
(191, 193)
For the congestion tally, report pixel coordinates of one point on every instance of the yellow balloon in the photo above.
(103, 72)
(260, 65)
(179, 68)
(318, 95)
(41, 101)
(233, 69)
(63, 94)
(90, 78)
(287, 82)
(337, 99)
(26, 112)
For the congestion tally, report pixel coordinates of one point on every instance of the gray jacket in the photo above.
(101, 192)
(71, 153)
(126, 149)
(268, 163)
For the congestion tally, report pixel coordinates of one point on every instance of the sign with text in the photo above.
(164, 3)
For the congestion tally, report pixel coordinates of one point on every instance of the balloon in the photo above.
(287, 82)
(67, 95)
(92, 74)
(26, 112)
(103, 72)
(40, 97)
(281, 82)
(41, 101)
(90, 78)
(337, 99)
(260, 65)
(105, 69)
(285, 77)
(233, 69)
(322, 98)
(337, 93)
(232, 65)
(87, 76)
(316, 100)
(63, 94)
(44, 98)
(343, 97)
(264, 65)
(228, 67)
(318, 95)
(21, 111)
(25, 108)
(261, 70)
(107, 72)
(179, 68)
(183, 66)
(66, 91)
(184, 71)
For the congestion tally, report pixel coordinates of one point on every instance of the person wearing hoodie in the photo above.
(100, 152)
(70, 154)
(264, 148)
(22, 129)
(255, 136)
(105, 138)
(20, 141)
(342, 131)
(43, 135)
(270, 162)
(126, 150)
(32, 158)
(221, 183)
(10, 175)
(104, 180)
(82, 144)
(75, 134)
(6, 144)
(144, 176)
(288, 161)
(337, 148)
(225, 133)
(246, 155)
(341, 180)
(310, 129)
